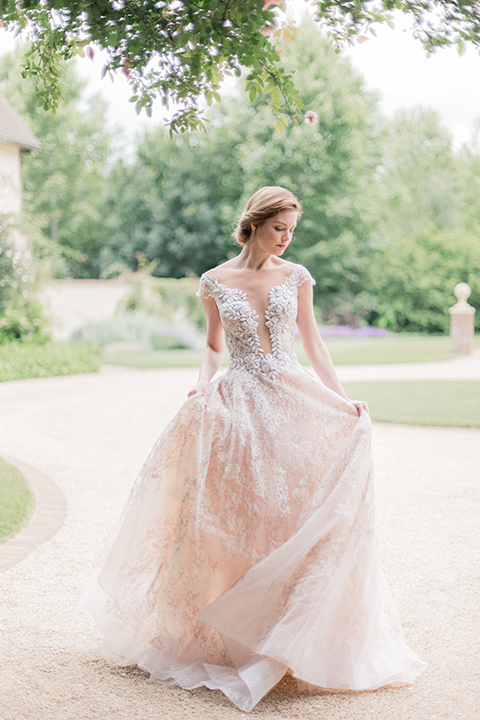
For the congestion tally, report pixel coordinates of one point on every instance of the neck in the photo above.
(253, 258)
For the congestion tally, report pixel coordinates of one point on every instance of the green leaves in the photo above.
(433, 22)
(180, 52)
(282, 123)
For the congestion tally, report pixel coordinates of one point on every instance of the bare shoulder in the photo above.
(289, 265)
(220, 270)
(230, 271)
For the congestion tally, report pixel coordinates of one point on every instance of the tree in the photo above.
(168, 205)
(64, 183)
(468, 181)
(429, 223)
(180, 50)
(179, 201)
(329, 163)
(416, 177)
(415, 277)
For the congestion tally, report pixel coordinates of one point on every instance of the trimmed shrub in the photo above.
(19, 361)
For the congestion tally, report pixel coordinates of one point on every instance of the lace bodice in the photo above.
(241, 322)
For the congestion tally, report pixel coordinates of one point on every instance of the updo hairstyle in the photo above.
(264, 204)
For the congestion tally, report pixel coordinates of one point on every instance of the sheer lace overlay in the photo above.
(247, 546)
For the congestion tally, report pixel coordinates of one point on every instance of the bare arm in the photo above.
(214, 352)
(315, 348)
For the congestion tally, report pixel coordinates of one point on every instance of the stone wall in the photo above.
(73, 303)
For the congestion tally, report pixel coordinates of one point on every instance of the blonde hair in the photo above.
(264, 204)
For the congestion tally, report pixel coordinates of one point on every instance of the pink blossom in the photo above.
(311, 117)
(267, 3)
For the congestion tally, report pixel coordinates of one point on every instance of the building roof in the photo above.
(13, 130)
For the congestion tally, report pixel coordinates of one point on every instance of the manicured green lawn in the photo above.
(447, 403)
(398, 348)
(345, 351)
(16, 500)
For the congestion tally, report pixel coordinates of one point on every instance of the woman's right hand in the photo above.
(201, 388)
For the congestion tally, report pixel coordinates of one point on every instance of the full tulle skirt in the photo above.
(247, 548)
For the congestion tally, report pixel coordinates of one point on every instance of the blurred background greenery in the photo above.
(391, 214)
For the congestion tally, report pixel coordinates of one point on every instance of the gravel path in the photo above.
(91, 433)
(462, 367)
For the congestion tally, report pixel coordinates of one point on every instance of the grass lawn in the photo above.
(399, 348)
(16, 500)
(447, 403)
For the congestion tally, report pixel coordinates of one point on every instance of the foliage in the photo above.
(467, 171)
(21, 313)
(19, 361)
(180, 199)
(173, 300)
(180, 50)
(435, 23)
(427, 215)
(140, 330)
(177, 204)
(416, 176)
(16, 500)
(329, 164)
(390, 209)
(64, 183)
(142, 297)
(414, 283)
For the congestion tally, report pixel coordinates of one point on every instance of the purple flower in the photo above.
(329, 331)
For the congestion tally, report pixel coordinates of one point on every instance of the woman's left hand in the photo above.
(361, 405)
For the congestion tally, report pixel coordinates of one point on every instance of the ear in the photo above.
(253, 227)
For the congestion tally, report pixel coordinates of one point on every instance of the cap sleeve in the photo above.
(303, 275)
(206, 287)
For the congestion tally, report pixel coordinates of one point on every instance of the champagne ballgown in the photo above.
(247, 547)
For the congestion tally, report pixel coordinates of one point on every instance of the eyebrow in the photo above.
(279, 222)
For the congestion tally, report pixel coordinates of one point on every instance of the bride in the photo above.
(247, 547)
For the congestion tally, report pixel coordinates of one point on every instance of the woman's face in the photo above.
(276, 234)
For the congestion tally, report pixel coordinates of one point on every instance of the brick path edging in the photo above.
(47, 517)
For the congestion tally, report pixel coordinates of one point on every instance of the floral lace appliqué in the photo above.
(240, 322)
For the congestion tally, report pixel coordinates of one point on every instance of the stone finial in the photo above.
(462, 292)
(462, 327)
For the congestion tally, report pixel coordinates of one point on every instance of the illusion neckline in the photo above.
(254, 314)
(244, 294)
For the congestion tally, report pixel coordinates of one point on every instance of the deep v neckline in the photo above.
(244, 295)
(254, 314)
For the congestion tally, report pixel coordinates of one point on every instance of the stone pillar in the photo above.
(462, 321)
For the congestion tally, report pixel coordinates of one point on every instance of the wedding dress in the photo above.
(247, 547)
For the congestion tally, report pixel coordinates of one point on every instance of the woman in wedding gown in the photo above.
(247, 547)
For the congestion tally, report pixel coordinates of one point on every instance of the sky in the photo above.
(392, 63)
(397, 65)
